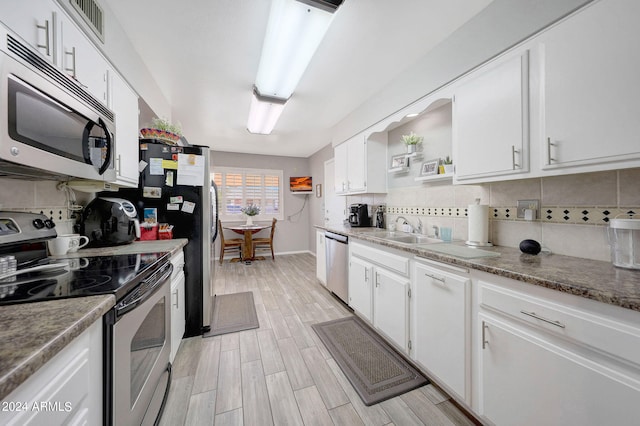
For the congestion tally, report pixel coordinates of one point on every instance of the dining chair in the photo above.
(266, 243)
(230, 244)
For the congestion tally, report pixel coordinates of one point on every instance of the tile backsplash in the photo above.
(573, 218)
(40, 197)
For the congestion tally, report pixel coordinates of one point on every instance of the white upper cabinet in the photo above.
(35, 24)
(81, 61)
(124, 102)
(491, 120)
(590, 66)
(359, 163)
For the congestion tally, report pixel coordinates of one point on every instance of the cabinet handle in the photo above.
(71, 53)
(514, 151)
(119, 165)
(536, 316)
(176, 294)
(343, 186)
(47, 40)
(549, 145)
(377, 279)
(441, 279)
(366, 275)
(485, 342)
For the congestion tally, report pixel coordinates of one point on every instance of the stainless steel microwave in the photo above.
(50, 127)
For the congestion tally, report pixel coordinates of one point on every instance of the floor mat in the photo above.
(376, 371)
(233, 312)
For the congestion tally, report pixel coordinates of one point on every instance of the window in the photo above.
(238, 188)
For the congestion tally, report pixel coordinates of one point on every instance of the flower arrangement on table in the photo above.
(250, 210)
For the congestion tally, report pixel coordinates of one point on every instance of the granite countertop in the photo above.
(33, 333)
(592, 279)
(26, 346)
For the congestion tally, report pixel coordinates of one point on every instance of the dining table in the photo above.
(248, 254)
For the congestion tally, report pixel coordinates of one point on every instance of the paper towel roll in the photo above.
(478, 224)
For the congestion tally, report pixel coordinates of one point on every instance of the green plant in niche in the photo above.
(164, 124)
(412, 139)
(447, 161)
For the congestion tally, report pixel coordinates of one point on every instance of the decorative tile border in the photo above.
(591, 215)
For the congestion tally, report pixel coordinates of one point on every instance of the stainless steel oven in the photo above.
(48, 121)
(137, 337)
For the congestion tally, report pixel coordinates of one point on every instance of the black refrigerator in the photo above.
(192, 210)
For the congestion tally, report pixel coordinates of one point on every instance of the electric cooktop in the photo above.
(60, 278)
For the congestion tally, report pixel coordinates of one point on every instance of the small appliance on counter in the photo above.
(110, 222)
(359, 215)
(380, 217)
(624, 239)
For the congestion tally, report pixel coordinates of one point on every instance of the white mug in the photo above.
(76, 241)
(60, 245)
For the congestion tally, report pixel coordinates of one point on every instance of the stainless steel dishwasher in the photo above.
(337, 252)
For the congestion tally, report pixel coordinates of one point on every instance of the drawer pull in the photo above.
(485, 342)
(536, 316)
(441, 279)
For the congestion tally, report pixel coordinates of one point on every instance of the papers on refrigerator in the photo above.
(190, 169)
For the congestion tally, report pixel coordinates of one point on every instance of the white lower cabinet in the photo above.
(321, 258)
(178, 312)
(441, 323)
(66, 390)
(391, 306)
(544, 362)
(360, 287)
(379, 291)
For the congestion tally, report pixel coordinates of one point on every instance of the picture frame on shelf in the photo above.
(429, 168)
(399, 161)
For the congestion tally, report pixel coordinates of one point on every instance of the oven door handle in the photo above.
(151, 285)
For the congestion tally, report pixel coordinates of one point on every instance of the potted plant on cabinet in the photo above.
(251, 210)
(412, 141)
(162, 129)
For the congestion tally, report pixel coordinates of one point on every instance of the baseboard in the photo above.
(282, 253)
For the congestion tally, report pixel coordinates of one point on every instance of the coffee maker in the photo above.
(359, 215)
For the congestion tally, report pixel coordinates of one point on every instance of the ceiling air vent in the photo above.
(92, 14)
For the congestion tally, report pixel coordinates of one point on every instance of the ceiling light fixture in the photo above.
(294, 32)
(264, 113)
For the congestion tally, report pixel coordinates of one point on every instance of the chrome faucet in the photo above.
(436, 231)
(405, 221)
(416, 229)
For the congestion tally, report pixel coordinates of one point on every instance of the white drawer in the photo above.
(581, 326)
(177, 260)
(391, 261)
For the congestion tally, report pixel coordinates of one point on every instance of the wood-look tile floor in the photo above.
(280, 373)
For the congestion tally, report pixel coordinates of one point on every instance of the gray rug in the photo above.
(376, 371)
(233, 312)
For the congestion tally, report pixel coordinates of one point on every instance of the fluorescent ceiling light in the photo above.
(293, 34)
(264, 113)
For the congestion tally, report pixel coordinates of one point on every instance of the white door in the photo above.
(34, 22)
(360, 289)
(391, 306)
(526, 380)
(590, 86)
(490, 121)
(335, 207)
(125, 106)
(440, 302)
(356, 170)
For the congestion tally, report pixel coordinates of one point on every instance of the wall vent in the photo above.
(92, 14)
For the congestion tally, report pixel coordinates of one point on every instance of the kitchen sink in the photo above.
(403, 237)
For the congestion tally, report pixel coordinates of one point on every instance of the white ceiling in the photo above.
(204, 55)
